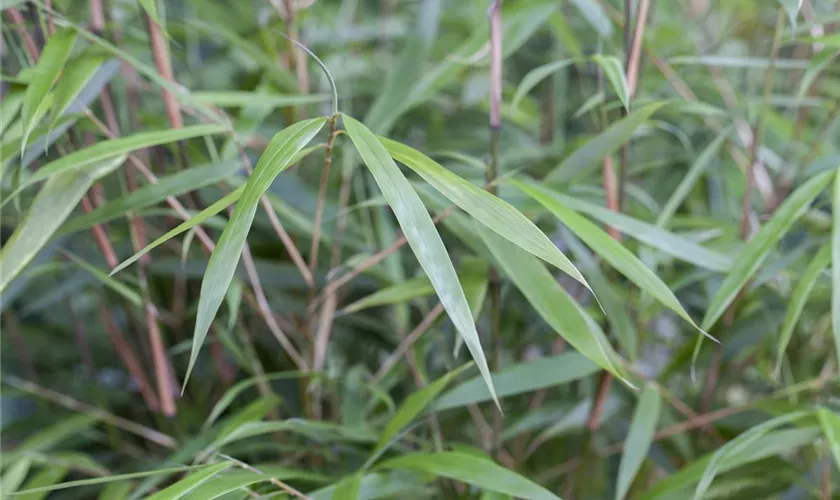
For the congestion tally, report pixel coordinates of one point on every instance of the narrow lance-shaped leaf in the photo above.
(45, 74)
(414, 405)
(115, 147)
(110, 479)
(830, 423)
(349, 488)
(490, 210)
(50, 208)
(605, 143)
(73, 80)
(608, 248)
(276, 158)
(476, 470)
(615, 74)
(185, 486)
(47, 476)
(798, 298)
(194, 221)
(756, 250)
(687, 183)
(835, 262)
(638, 440)
(535, 76)
(552, 302)
(595, 15)
(422, 237)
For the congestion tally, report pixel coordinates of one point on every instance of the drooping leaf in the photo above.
(756, 250)
(614, 71)
(230, 395)
(738, 445)
(819, 62)
(602, 145)
(520, 378)
(104, 150)
(110, 479)
(608, 248)
(798, 298)
(467, 468)
(830, 423)
(537, 75)
(638, 440)
(490, 210)
(190, 483)
(552, 302)
(222, 265)
(122, 289)
(400, 292)
(414, 405)
(422, 237)
(46, 72)
(50, 208)
(194, 221)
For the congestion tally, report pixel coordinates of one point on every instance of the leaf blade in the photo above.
(639, 439)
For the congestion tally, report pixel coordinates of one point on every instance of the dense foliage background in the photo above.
(675, 160)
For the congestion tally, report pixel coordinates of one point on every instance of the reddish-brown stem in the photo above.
(164, 66)
(322, 194)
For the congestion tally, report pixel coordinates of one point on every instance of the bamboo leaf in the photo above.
(422, 237)
(238, 99)
(349, 488)
(830, 423)
(467, 468)
(638, 440)
(792, 9)
(553, 303)
(490, 210)
(595, 15)
(194, 221)
(535, 76)
(614, 70)
(756, 250)
(602, 145)
(835, 262)
(401, 292)
(190, 483)
(171, 185)
(798, 299)
(73, 81)
(50, 208)
(414, 405)
(121, 288)
(46, 72)
(109, 479)
(47, 476)
(222, 265)
(609, 249)
(115, 147)
(519, 379)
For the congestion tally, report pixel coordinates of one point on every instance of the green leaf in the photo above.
(756, 250)
(537, 75)
(401, 292)
(316, 430)
(519, 379)
(687, 183)
(53, 204)
(819, 62)
(830, 423)
(150, 6)
(665, 241)
(104, 150)
(798, 299)
(467, 468)
(110, 479)
(15, 475)
(121, 288)
(47, 476)
(609, 249)
(230, 395)
(490, 210)
(422, 237)
(187, 485)
(595, 16)
(238, 99)
(44, 75)
(171, 185)
(349, 488)
(553, 303)
(276, 158)
(835, 261)
(74, 79)
(194, 221)
(602, 145)
(792, 9)
(228, 482)
(614, 70)
(738, 445)
(414, 405)
(638, 440)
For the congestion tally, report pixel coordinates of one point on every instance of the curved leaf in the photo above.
(187, 485)
(638, 439)
(537, 75)
(422, 237)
